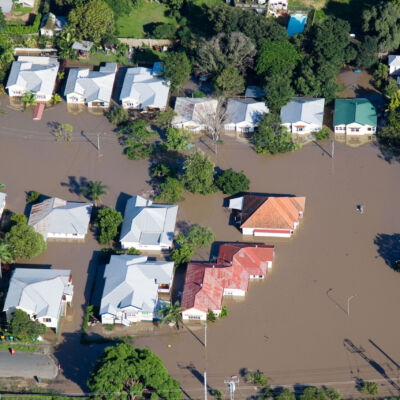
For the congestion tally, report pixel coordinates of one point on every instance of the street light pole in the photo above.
(348, 304)
(205, 357)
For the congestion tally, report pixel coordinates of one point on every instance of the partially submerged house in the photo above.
(131, 288)
(42, 293)
(60, 219)
(394, 64)
(303, 115)
(93, 88)
(266, 215)
(355, 117)
(51, 25)
(148, 226)
(82, 48)
(243, 115)
(194, 114)
(207, 283)
(143, 90)
(2, 203)
(36, 75)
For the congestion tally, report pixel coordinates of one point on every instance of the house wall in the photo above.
(98, 104)
(64, 236)
(17, 91)
(190, 126)
(267, 232)
(136, 245)
(75, 98)
(194, 315)
(130, 104)
(234, 292)
(241, 127)
(355, 129)
(302, 128)
(279, 4)
(2, 206)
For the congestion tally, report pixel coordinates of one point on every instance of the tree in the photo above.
(333, 394)
(182, 255)
(171, 191)
(198, 236)
(164, 31)
(382, 22)
(271, 137)
(371, 388)
(199, 173)
(171, 313)
(313, 393)
(3, 23)
(391, 88)
(108, 221)
(229, 82)
(367, 53)
(225, 49)
(6, 55)
(136, 150)
(64, 42)
(63, 132)
(92, 20)
(224, 312)
(139, 131)
(161, 171)
(29, 99)
(323, 134)
(2, 186)
(232, 182)
(19, 219)
(286, 394)
(211, 317)
(24, 241)
(126, 372)
(174, 6)
(277, 58)
(381, 74)
(118, 115)
(164, 118)
(56, 98)
(177, 69)
(24, 329)
(5, 254)
(93, 190)
(177, 139)
(33, 197)
(279, 92)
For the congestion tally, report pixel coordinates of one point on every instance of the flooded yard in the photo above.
(293, 326)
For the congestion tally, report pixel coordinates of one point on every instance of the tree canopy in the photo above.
(126, 372)
(199, 173)
(232, 182)
(23, 328)
(177, 139)
(229, 82)
(177, 69)
(108, 221)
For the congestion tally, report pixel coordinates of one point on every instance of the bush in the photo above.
(164, 31)
(255, 377)
(211, 317)
(161, 171)
(117, 115)
(370, 388)
(136, 150)
(24, 29)
(177, 139)
(171, 191)
(133, 252)
(231, 182)
(217, 394)
(23, 328)
(224, 312)
(198, 94)
(17, 219)
(88, 313)
(108, 221)
(109, 327)
(182, 255)
(33, 197)
(323, 134)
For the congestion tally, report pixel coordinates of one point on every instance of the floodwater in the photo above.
(294, 325)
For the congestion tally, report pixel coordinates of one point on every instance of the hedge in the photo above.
(24, 29)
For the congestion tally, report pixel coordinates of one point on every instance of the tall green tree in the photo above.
(177, 139)
(229, 82)
(23, 328)
(93, 190)
(108, 221)
(3, 23)
(171, 313)
(198, 174)
(124, 371)
(6, 56)
(92, 20)
(5, 254)
(279, 92)
(171, 191)
(232, 182)
(177, 69)
(367, 52)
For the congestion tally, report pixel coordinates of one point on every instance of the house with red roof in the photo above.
(207, 283)
(268, 215)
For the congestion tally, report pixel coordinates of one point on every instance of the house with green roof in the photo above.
(354, 117)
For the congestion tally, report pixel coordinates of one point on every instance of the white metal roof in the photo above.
(38, 291)
(34, 74)
(59, 216)
(2, 200)
(245, 110)
(132, 281)
(83, 45)
(92, 85)
(194, 109)
(394, 59)
(147, 90)
(147, 223)
(308, 110)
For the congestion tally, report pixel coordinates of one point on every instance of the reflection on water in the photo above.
(355, 140)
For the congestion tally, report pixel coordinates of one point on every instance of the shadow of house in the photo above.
(388, 247)
(121, 202)
(118, 83)
(75, 184)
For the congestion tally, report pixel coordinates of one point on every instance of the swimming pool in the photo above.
(296, 25)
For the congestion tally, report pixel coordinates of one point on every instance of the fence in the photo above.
(146, 42)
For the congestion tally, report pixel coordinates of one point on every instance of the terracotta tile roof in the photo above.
(276, 213)
(205, 282)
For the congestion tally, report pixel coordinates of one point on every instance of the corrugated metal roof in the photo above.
(303, 109)
(245, 110)
(357, 110)
(194, 109)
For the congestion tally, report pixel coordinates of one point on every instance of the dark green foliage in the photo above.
(126, 370)
(171, 313)
(198, 236)
(182, 255)
(173, 6)
(117, 115)
(224, 312)
(164, 31)
(137, 150)
(133, 252)
(108, 221)
(171, 191)
(136, 144)
(3, 23)
(217, 394)
(381, 74)
(229, 82)
(232, 182)
(93, 190)
(391, 88)
(198, 94)
(33, 197)
(88, 313)
(271, 137)
(139, 131)
(286, 394)
(24, 329)
(313, 393)
(211, 317)
(6, 56)
(323, 134)
(279, 92)
(177, 139)
(333, 394)
(177, 69)
(164, 118)
(161, 171)
(17, 219)
(199, 173)
(367, 53)
(24, 29)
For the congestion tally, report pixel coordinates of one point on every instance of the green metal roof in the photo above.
(348, 111)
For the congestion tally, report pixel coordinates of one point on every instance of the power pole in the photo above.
(348, 304)
(231, 382)
(333, 149)
(98, 145)
(205, 360)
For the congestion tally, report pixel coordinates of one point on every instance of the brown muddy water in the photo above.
(293, 325)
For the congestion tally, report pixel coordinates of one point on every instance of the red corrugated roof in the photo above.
(205, 282)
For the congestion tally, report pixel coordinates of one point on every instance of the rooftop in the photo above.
(197, 110)
(358, 110)
(304, 109)
(245, 110)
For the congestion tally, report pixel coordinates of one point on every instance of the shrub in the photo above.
(370, 388)
(109, 327)
(211, 317)
(161, 171)
(88, 313)
(177, 139)
(224, 312)
(182, 255)
(33, 197)
(231, 182)
(323, 134)
(171, 191)
(198, 94)
(217, 394)
(24, 29)
(133, 252)
(117, 115)
(255, 377)
(23, 328)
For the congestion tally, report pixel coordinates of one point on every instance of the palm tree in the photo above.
(171, 313)
(29, 99)
(5, 254)
(56, 98)
(93, 190)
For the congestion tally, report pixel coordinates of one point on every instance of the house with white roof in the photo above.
(42, 293)
(35, 75)
(51, 25)
(193, 113)
(394, 64)
(93, 88)
(303, 115)
(2, 203)
(131, 288)
(59, 219)
(144, 91)
(148, 226)
(243, 115)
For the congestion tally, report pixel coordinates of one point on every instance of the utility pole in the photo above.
(333, 149)
(98, 145)
(231, 382)
(348, 304)
(205, 360)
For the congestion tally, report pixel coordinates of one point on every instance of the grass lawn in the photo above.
(19, 347)
(132, 25)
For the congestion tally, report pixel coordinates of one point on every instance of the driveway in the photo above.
(27, 365)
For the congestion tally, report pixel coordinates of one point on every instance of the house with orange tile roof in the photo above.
(268, 215)
(207, 283)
